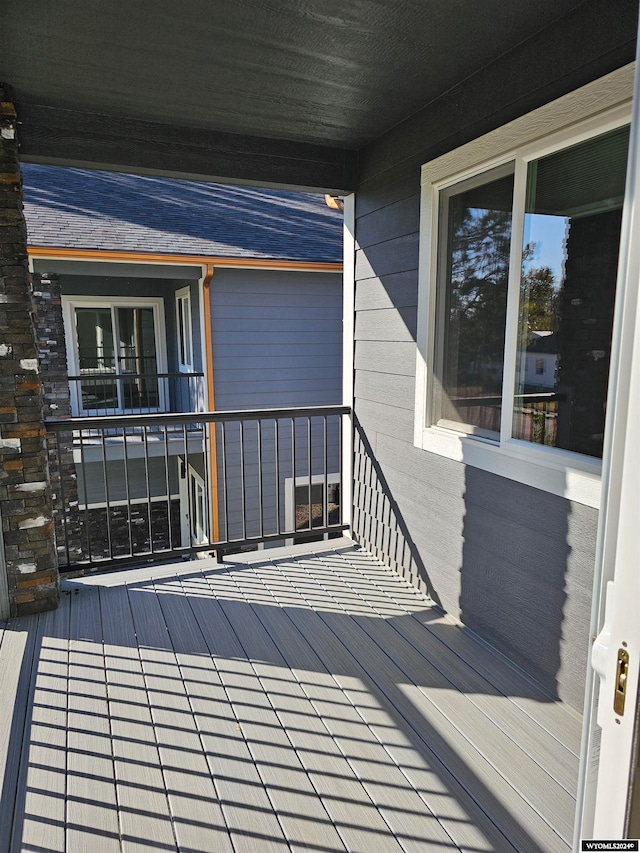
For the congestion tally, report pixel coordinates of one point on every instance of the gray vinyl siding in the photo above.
(277, 343)
(513, 563)
(277, 338)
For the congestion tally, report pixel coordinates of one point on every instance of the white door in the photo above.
(612, 689)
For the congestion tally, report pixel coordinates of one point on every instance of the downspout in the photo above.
(208, 350)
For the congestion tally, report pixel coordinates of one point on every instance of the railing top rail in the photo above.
(167, 419)
(117, 376)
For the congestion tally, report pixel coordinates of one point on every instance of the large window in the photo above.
(114, 348)
(519, 261)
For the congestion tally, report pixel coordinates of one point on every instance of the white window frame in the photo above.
(69, 305)
(184, 296)
(193, 530)
(590, 111)
(290, 487)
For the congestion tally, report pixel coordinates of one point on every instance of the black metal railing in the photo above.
(133, 488)
(104, 393)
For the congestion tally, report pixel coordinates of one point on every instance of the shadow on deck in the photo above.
(285, 700)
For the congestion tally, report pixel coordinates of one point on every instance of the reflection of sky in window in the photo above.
(548, 233)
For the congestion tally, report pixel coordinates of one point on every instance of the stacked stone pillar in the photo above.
(48, 323)
(25, 494)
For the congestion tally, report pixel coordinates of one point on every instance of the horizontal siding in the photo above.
(393, 256)
(394, 390)
(389, 291)
(382, 419)
(92, 475)
(395, 220)
(383, 357)
(387, 324)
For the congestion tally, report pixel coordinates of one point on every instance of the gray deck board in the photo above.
(39, 822)
(558, 719)
(143, 808)
(351, 809)
(195, 808)
(16, 656)
(248, 804)
(305, 699)
(467, 824)
(92, 810)
(310, 693)
(539, 789)
(559, 761)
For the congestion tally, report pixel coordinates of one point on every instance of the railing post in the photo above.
(348, 334)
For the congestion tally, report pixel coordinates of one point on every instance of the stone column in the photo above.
(25, 495)
(48, 322)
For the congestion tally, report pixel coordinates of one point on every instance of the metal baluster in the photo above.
(309, 471)
(259, 439)
(208, 485)
(325, 497)
(340, 471)
(293, 462)
(168, 485)
(63, 501)
(145, 441)
(223, 454)
(106, 492)
(87, 518)
(276, 425)
(242, 494)
(125, 457)
(188, 484)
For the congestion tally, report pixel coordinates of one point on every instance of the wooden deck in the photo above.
(283, 701)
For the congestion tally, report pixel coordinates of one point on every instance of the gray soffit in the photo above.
(280, 92)
(103, 211)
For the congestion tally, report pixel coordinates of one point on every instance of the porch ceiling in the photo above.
(269, 91)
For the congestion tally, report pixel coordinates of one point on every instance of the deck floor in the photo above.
(288, 700)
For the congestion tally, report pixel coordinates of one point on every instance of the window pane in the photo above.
(96, 359)
(474, 271)
(567, 289)
(137, 354)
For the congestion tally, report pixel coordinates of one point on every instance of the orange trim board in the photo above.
(156, 258)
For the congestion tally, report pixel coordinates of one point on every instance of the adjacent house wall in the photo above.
(512, 562)
(277, 338)
(276, 341)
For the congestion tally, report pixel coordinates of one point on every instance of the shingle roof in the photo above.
(80, 209)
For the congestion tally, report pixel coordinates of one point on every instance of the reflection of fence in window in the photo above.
(536, 420)
(535, 416)
(483, 411)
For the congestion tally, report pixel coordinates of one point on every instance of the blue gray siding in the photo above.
(277, 338)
